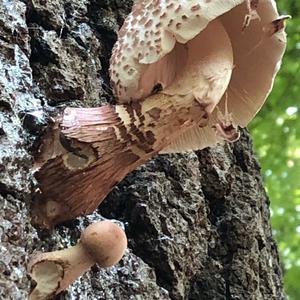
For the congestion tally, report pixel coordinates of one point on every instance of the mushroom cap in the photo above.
(105, 242)
(140, 57)
(149, 52)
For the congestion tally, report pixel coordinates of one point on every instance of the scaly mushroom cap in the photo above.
(152, 50)
(143, 56)
(105, 241)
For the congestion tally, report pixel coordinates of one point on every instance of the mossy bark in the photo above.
(198, 223)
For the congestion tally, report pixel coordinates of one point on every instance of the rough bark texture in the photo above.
(198, 223)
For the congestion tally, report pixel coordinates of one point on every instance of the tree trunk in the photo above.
(198, 223)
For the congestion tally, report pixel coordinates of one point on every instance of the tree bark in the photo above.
(198, 223)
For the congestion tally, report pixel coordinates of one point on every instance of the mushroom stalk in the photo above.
(119, 139)
(65, 265)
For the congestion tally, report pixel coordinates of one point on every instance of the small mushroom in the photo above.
(101, 243)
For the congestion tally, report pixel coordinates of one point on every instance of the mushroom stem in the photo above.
(66, 266)
(77, 261)
(122, 138)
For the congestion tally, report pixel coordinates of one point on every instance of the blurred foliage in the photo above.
(276, 133)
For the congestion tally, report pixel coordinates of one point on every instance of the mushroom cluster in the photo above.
(185, 75)
(102, 243)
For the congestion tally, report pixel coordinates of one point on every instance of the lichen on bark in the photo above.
(198, 223)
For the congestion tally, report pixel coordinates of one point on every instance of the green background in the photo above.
(276, 134)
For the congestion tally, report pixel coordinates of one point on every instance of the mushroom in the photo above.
(185, 74)
(102, 242)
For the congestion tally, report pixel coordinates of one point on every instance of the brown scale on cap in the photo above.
(186, 55)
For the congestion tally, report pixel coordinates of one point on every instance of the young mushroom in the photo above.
(185, 74)
(102, 243)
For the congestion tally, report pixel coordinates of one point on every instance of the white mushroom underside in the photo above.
(257, 59)
(207, 71)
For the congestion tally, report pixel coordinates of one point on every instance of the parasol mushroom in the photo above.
(102, 243)
(185, 75)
